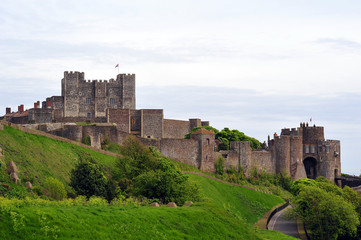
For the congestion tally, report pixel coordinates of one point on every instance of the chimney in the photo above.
(38, 103)
(35, 105)
(21, 108)
(8, 110)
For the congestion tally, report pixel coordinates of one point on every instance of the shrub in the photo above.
(38, 190)
(97, 201)
(88, 179)
(55, 188)
(219, 165)
(284, 180)
(167, 186)
(86, 140)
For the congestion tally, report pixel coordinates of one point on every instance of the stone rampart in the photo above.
(175, 128)
(152, 123)
(262, 160)
(183, 150)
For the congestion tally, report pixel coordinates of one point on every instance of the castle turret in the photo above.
(206, 140)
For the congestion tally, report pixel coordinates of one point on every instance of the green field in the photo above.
(226, 212)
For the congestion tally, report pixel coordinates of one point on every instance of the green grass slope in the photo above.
(227, 212)
(39, 157)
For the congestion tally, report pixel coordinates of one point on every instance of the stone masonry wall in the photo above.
(40, 115)
(152, 123)
(263, 161)
(175, 128)
(121, 117)
(183, 150)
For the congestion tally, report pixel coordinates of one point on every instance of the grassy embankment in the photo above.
(227, 212)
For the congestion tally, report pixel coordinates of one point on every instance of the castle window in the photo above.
(224, 155)
(88, 115)
(312, 149)
(207, 141)
(112, 101)
(328, 148)
(307, 149)
(87, 101)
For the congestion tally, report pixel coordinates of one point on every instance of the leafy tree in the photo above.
(55, 188)
(226, 136)
(145, 172)
(327, 215)
(88, 179)
(300, 183)
(235, 135)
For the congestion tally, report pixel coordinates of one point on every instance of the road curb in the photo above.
(263, 222)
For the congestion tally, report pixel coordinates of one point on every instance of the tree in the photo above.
(235, 135)
(143, 171)
(88, 179)
(226, 136)
(326, 214)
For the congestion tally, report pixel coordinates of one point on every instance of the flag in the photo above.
(117, 65)
(310, 119)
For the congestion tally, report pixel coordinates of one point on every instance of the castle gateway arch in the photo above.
(310, 164)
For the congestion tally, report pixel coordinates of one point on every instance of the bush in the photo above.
(219, 165)
(144, 172)
(188, 135)
(88, 179)
(38, 190)
(55, 188)
(284, 180)
(86, 140)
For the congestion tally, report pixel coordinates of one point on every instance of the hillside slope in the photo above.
(227, 212)
(39, 157)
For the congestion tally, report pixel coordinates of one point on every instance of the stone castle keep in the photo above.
(301, 152)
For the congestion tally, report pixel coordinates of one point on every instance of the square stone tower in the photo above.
(90, 99)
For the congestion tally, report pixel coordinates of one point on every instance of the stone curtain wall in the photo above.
(121, 117)
(262, 161)
(183, 150)
(152, 122)
(175, 128)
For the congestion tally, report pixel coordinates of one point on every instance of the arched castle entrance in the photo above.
(310, 164)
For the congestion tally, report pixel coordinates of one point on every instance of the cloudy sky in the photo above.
(257, 66)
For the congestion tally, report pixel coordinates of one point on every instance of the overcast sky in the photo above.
(257, 66)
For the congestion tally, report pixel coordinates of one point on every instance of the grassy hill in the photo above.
(39, 157)
(227, 212)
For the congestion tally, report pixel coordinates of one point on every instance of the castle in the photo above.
(301, 152)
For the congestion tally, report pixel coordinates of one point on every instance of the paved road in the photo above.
(283, 225)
